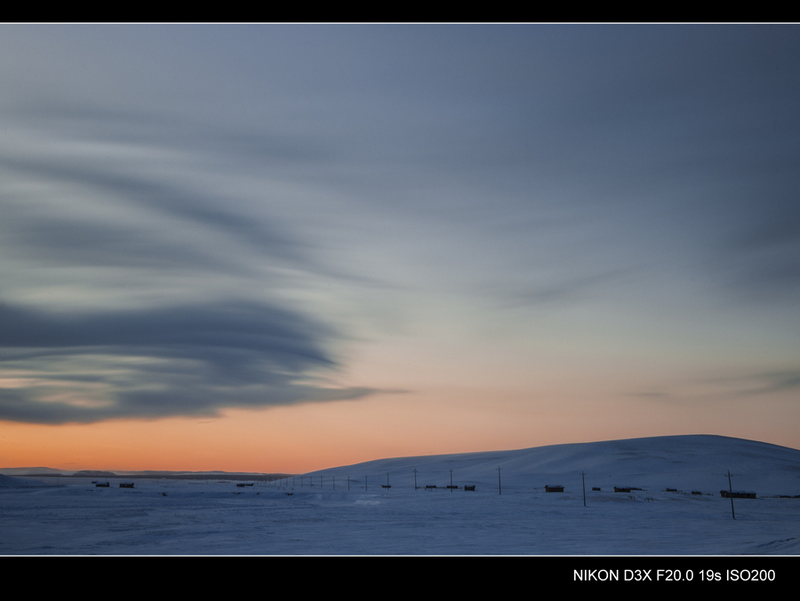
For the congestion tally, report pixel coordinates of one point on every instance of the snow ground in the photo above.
(350, 511)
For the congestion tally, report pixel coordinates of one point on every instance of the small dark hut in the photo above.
(737, 494)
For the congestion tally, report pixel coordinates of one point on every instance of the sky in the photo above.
(286, 247)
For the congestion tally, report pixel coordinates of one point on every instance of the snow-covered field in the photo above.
(674, 506)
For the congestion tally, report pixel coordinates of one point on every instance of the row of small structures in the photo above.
(471, 487)
(549, 488)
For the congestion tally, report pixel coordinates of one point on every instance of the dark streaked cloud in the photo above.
(189, 360)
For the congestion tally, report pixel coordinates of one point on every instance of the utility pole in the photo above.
(730, 490)
(583, 480)
(415, 479)
(499, 487)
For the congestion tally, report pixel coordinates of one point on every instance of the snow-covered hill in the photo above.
(688, 463)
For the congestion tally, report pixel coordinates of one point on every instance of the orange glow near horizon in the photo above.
(313, 436)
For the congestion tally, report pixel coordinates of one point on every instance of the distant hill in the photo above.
(206, 475)
(94, 474)
(213, 475)
(30, 471)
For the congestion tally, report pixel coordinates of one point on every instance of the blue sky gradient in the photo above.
(587, 219)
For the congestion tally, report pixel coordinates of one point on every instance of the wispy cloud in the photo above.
(767, 382)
